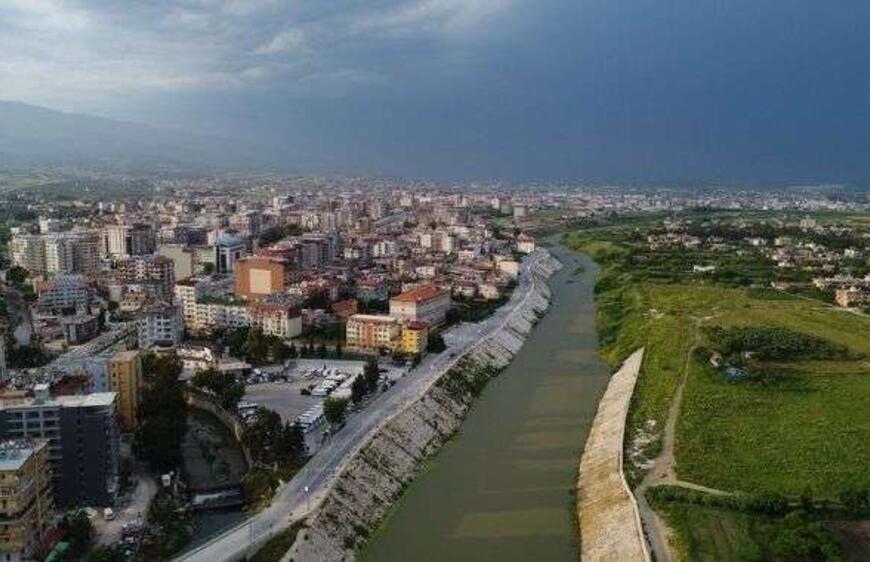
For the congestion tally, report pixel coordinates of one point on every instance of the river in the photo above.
(503, 489)
(212, 457)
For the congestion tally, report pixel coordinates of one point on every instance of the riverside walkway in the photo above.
(610, 526)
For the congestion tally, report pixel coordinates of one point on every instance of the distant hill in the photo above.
(36, 136)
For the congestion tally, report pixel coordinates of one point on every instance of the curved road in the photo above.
(296, 499)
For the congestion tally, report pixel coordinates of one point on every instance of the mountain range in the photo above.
(33, 136)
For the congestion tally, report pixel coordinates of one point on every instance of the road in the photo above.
(296, 499)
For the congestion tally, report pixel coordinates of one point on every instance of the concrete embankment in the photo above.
(610, 526)
(375, 477)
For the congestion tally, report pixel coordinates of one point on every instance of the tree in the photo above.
(79, 532)
(270, 442)
(208, 268)
(103, 553)
(338, 350)
(236, 341)
(256, 346)
(168, 526)
(801, 538)
(856, 502)
(281, 351)
(163, 412)
(436, 343)
(16, 275)
(225, 387)
(321, 350)
(294, 353)
(372, 375)
(334, 410)
(358, 389)
(263, 435)
(294, 447)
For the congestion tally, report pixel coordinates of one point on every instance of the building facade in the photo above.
(27, 511)
(369, 332)
(259, 276)
(126, 380)
(427, 303)
(82, 435)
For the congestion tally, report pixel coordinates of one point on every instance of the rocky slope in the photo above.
(375, 478)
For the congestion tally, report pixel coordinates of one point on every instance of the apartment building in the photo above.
(159, 324)
(276, 319)
(27, 508)
(126, 380)
(125, 240)
(372, 332)
(428, 303)
(82, 435)
(156, 270)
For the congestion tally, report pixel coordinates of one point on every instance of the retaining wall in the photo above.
(376, 476)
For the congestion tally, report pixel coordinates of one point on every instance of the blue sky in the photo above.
(595, 90)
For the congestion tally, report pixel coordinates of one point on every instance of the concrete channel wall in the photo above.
(610, 526)
(375, 477)
(199, 400)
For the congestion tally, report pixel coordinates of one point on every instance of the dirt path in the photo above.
(663, 469)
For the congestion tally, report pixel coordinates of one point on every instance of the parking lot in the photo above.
(298, 388)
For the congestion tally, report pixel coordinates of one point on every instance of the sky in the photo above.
(554, 90)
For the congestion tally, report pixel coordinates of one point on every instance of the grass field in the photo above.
(810, 429)
(714, 535)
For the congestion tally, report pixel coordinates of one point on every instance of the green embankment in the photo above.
(804, 430)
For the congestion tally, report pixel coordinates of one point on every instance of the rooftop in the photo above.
(15, 452)
(420, 294)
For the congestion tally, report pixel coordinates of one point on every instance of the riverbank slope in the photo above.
(376, 476)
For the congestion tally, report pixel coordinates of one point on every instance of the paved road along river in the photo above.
(503, 489)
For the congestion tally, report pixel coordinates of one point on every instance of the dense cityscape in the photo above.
(276, 316)
(434, 281)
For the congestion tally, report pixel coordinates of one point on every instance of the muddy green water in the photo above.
(503, 488)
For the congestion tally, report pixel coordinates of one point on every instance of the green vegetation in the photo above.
(715, 535)
(225, 387)
(272, 442)
(805, 427)
(169, 527)
(276, 547)
(78, 531)
(258, 348)
(334, 410)
(163, 412)
(772, 343)
(278, 451)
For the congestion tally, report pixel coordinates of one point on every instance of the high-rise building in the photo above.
(228, 250)
(156, 270)
(59, 253)
(63, 292)
(124, 240)
(28, 251)
(159, 324)
(183, 259)
(82, 435)
(86, 251)
(125, 379)
(27, 510)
